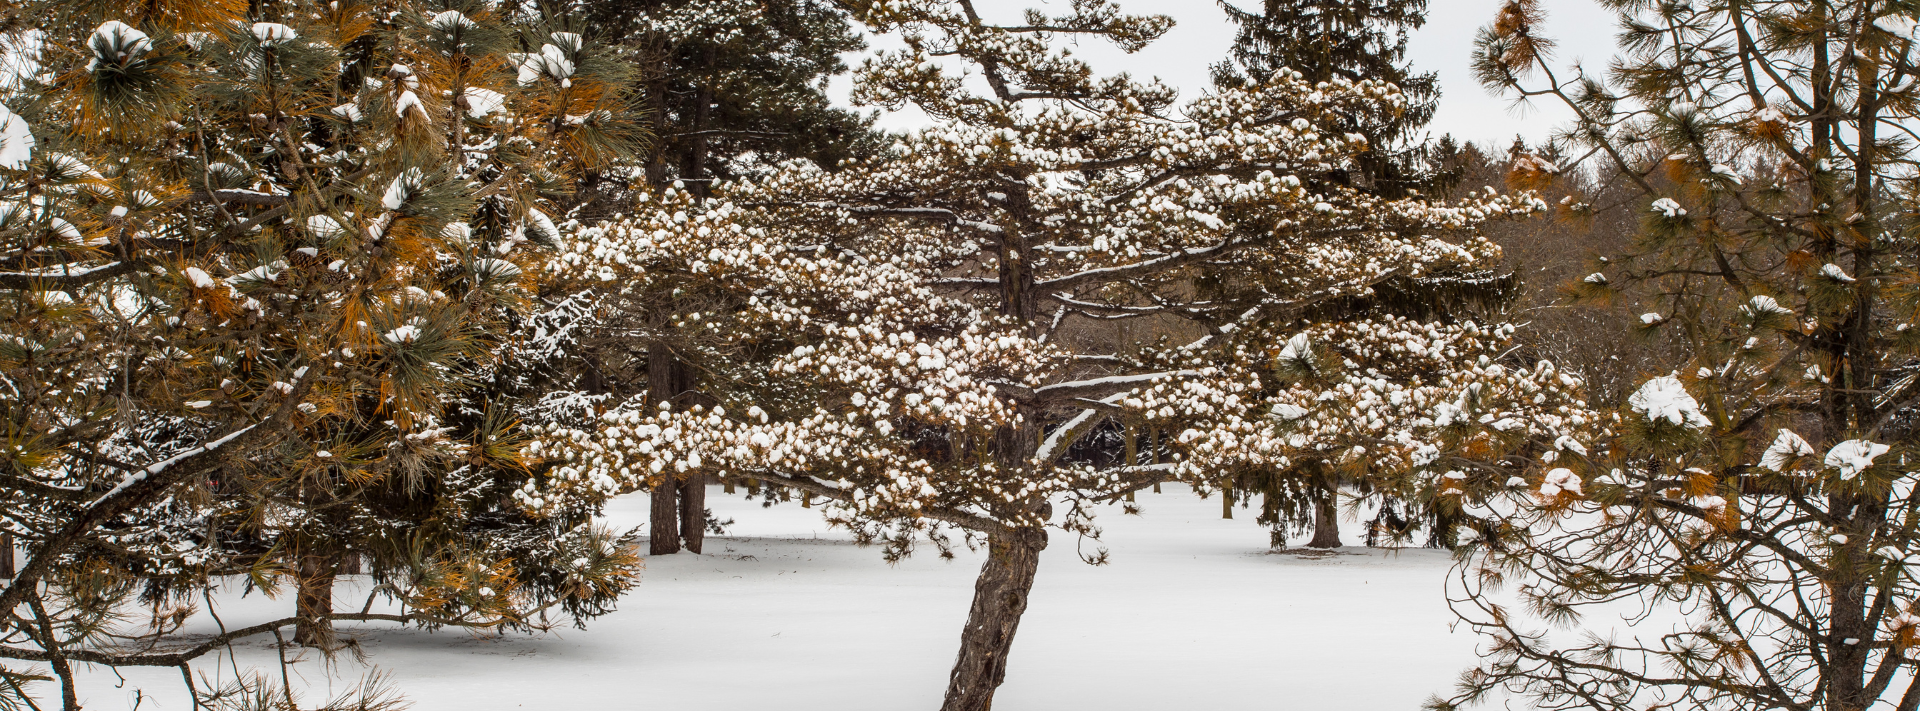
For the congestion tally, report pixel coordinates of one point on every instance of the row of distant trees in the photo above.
(299, 289)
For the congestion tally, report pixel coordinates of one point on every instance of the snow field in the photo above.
(784, 613)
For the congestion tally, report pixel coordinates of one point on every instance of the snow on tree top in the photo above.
(1854, 456)
(1666, 398)
(1669, 208)
(273, 33)
(115, 43)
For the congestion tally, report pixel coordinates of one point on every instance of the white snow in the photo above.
(1289, 412)
(324, 227)
(482, 101)
(406, 333)
(16, 140)
(1559, 480)
(449, 21)
(784, 613)
(116, 42)
(1834, 272)
(496, 268)
(1897, 25)
(1668, 207)
(163, 465)
(273, 33)
(1665, 398)
(408, 101)
(550, 61)
(1854, 456)
(198, 278)
(401, 189)
(1650, 319)
(1786, 447)
(1299, 349)
(1763, 305)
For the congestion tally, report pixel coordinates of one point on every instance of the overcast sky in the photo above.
(1202, 35)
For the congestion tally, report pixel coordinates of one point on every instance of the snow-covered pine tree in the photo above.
(733, 86)
(898, 335)
(1754, 500)
(255, 258)
(1356, 39)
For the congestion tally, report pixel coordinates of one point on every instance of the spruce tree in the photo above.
(1351, 40)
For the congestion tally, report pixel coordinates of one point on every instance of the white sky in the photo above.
(1202, 35)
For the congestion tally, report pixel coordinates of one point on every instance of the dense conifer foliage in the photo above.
(1754, 493)
(260, 264)
(895, 336)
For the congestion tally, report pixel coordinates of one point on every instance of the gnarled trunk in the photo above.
(314, 603)
(1326, 519)
(999, 598)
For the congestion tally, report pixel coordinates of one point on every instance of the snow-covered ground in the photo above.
(783, 613)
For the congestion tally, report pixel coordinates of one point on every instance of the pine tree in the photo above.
(1758, 486)
(257, 258)
(892, 332)
(736, 86)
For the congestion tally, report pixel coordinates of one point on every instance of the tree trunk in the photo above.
(663, 385)
(1326, 520)
(665, 537)
(693, 511)
(999, 598)
(6, 555)
(314, 603)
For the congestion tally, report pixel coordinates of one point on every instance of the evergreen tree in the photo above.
(737, 86)
(1352, 40)
(257, 260)
(892, 331)
(1756, 493)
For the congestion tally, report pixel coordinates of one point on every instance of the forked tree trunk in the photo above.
(665, 535)
(999, 598)
(693, 511)
(663, 385)
(1326, 519)
(314, 603)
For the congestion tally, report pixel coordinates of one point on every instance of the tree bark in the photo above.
(663, 385)
(665, 536)
(693, 511)
(314, 603)
(999, 598)
(1326, 520)
(6, 555)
